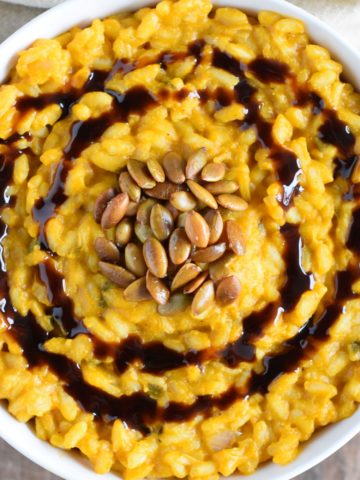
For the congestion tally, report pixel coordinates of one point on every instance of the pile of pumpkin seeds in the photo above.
(170, 239)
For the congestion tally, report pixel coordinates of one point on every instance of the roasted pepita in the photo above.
(183, 201)
(213, 172)
(140, 173)
(221, 187)
(202, 194)
(155, 257)
(115, 211)
(101, 203)
(195, 163)
(163, 191)
(127, 185)
(137, 291)
(186, 273)
(157, 289)
(228, 290)
(203, 298)
(156, 170)
(197, 229)
(134, 259)
(143, 232)
(124, 232)
(192, 286)
(176, 304)
(174, 166)
(161, 222)
(107, 250)
(216, 225)
(131, 209)
(235, 237)
(144, 211)
(232, 202)
(117, 274)
(179, 246)
(209, 254)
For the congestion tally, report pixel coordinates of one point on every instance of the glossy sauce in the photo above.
(337, 133)
(268, 70)
(288, 170)
(297, 282)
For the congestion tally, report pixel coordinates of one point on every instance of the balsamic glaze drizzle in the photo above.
(139, 410)
(337, 133)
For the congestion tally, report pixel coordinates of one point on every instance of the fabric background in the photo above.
(342, 15)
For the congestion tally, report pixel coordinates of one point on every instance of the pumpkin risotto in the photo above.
(180, 241)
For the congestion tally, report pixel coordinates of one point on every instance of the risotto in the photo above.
(180, 240)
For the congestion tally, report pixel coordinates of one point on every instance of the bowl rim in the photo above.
(60, 18)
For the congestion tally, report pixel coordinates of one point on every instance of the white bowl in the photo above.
(55, 21)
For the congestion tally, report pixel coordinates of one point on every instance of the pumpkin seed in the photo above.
(174, 166)
(195, 163)
(144, 211)
(157, 289)
(203, 298)
(228, 290)
(221, 268)
(232, 202)
(136, 291)
(127, 185)
(161, 222)
(107, 250)
(132, 209)
(124, 232)
(183, 201)
(101, 202)
(115, 211)
(235, 238)
(185, 274)
(117, 274)
(196, 283)
(156, 170)
(179, 246)
(222, 186)
(209, 254)
(155, 257)
(139, 172)
(216, 225)
(213, 172)
(163, 191)
(197, 229)
(143, 232)
(202, 194)
(134, 259)
(177, 304)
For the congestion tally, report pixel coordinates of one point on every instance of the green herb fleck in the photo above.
(154, 390)
(158, 429)
(106, 286)
(102, 303)
(34, 242)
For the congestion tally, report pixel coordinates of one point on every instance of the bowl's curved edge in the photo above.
(60, 19)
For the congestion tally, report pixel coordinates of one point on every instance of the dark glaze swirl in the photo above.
(139, 410)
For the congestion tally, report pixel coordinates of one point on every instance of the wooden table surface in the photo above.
(344, 465)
